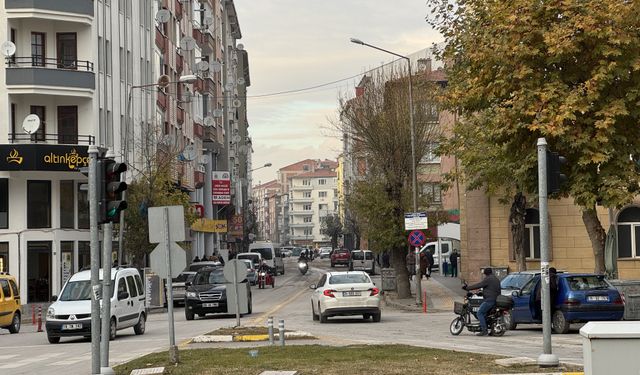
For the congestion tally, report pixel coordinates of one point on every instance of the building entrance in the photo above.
(39, 271)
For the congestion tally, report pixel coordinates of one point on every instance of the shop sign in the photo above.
(221, 187)
(209, 226)
(235, 226)
(43, 157)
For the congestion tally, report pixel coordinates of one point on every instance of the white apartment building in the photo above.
(312, 197)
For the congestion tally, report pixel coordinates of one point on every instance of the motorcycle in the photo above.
(495, 316)
(303, 266)
(265, 278)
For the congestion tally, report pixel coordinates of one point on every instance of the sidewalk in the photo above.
(441, 292)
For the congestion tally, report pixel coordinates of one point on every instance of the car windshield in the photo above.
(265, 252)
(184, 277)
(357, 255)
(76, 291)
(195, 267)
(248, 262)
(353, 278)
(252, 257)
(587, 282)
(515, 281)
(206, 277)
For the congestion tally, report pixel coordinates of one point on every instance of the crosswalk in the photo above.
(16, 362)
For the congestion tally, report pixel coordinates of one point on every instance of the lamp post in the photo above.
(264, 166)
(162, 82)
(414, 178)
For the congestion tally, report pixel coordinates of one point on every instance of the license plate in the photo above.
(475, 309)
(212, 304)
(351, 294)
(598, 298)
(72, 326)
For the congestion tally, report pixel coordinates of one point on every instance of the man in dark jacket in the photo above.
(490, 291)
(453, 258)
(430, 263)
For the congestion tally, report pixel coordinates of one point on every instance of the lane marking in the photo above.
(274, 309)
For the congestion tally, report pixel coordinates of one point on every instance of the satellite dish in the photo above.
(241, 81)
(236, 138)
(240, 46)
(30, 124)
(202, 66)
(189, 153)
(187, 43)
(8, 48)
(229, 86)
(163, 15)
(209, 121)
(208, 20)
(186, 97)
(218, 112)
(163, 81)
(204, 159)
(215, 66)
(237, 103)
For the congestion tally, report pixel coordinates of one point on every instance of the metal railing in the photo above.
(67, 139)
(48, 62)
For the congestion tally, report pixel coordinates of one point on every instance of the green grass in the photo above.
(315, 359)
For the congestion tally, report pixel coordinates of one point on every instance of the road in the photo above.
(30, 353)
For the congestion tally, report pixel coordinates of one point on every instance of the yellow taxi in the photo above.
(9, 303)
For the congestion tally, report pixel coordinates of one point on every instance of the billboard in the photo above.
(221, 187)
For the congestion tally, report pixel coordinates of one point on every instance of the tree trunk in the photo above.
(517, 224)
(402, 276)
(597, 235)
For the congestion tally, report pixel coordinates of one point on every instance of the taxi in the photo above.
(9, 303)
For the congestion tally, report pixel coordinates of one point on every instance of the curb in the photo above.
(249, 338)
(546, 373)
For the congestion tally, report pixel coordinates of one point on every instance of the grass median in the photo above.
(316, 359)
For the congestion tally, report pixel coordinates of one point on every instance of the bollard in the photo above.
(281, 331)
(424, 302)
(270, 327)
(39, 318)
(33, 314)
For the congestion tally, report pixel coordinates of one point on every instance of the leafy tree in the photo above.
(332, 227)
(568, 71)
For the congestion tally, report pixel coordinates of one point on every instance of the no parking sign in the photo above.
(417, 238)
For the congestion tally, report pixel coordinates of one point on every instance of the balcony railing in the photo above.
(49, 62)
(43, 71)
(179, 63)
(162, 100)
(180, 116)
(69, 139)
(160, 39)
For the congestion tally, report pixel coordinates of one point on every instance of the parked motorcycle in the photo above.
(495, 316)
(303, 267)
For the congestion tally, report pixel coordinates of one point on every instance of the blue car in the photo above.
(581, 298)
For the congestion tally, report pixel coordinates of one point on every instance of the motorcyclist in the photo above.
(303, 257)
(490, 291)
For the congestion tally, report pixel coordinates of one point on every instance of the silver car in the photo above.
(178, 286)
(252, 275)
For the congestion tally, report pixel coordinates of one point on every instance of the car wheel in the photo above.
(456, 326)
(377, 316)
(188, 314)
(250, 306)
(112, 329)
(15, 323)
(313, 314)
(201, 315)
(559, 323)
(323, 317)
(333, 264)
(282, 273)
(366, 316)
(53, 339)
(140, 326)
(508, 321)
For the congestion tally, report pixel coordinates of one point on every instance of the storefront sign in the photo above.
(235, 226)
(67, 259)
(221, 187)
(209, 226)
(43, 157)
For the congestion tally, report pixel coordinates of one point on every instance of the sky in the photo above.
(297, 44)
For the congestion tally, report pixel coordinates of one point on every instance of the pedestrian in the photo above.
(411, 263)
(553, 292)
(196, 259)
(453, 258)
(424, 263)
(490, 291)
(385, 259)
(430, 263)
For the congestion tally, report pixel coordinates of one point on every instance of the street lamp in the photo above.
(163, 81)
(414, 178)
(264, 166)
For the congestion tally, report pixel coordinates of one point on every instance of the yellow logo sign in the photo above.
(14, 157)
(209, 226)
(71, 159)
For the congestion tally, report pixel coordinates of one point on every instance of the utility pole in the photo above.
(546, 359)
(106, 298)
(95, 259)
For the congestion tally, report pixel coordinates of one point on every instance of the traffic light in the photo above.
(111, 189)
(555, 178)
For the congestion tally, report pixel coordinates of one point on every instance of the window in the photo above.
(4, 257)
(122, 288)
(132, 286)
(68, 124)
(40, 111)
(67, 203)
(306, 168)
(323, 207)
(38, 204)
(13, 121)
(83, 208)
(629, 233)
(308, 232)
(67, 46)
(433, 192)
(322, 181)
(532, 234)
(306, 194)
(139, 285)
(66, 260)
(307, 219)
(84, 255)
(13, 39)
(431, 157)
(306, 207)
(322, 194)
(4, 203)
(6, 290)
(335, 193)
(306, 182)
(38, 51)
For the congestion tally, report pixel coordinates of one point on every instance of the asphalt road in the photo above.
(29, 352)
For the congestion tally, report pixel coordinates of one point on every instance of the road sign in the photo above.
(240, 271)
(156, 224)
(417, 238)
(158, 262)
(415, 220)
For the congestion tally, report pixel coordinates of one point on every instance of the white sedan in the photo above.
(344, 294)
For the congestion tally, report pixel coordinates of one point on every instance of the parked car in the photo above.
(296, 252)
(252, 275)
(325, 252)
(9, 303)
(345, 294)
(196, 266)
(70, 313)
(363, 260)
(179, 287)
(340, 256)
(581, 298)
(207, 294)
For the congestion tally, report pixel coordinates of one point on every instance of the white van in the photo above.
(270, 254)
(363, 260)
(255, 258)
(446, 248)
(70, 314)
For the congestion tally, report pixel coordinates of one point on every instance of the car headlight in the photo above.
(192, 295)
(51, 313)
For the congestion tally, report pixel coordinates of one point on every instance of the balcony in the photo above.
(162, 100)
(179, 63)
(180, 116)
(300, 212)
(52, 72)
(60, 10)
(301, 200)
(198, 130)
(301, 187)
(198, 85)
(198, 179)
(178, 8)
(68, 139)
(161, 40)
(301, 225)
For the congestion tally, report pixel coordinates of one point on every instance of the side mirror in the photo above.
(54, 298)
(187, 283)
(313, 286)
(122, 295)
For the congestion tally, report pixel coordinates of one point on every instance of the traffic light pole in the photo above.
(106, 298)
(95, 259)
(547, 358)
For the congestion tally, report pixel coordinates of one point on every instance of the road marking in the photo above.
(7, 356)
(274, 309)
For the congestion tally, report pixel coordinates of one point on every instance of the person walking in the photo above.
(411, 263)
(424, 263)
(490, 291)
(430, 262)
(196, 259)
(385, 259)
(453, 260)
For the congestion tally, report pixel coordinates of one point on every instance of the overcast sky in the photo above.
(295, 44)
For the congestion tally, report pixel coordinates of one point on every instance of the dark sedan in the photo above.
(207, 293)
